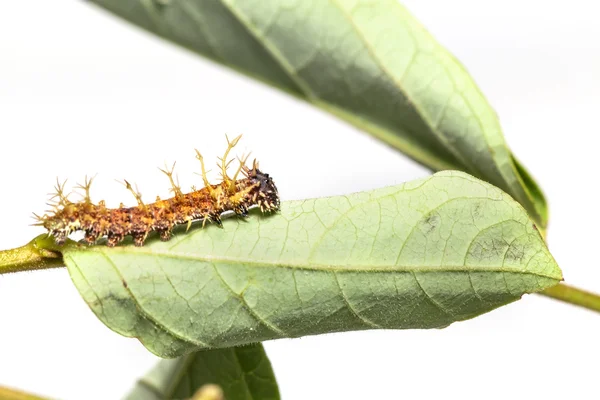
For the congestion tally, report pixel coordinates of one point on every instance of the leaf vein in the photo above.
(148, 316)
(271, 49)
(364, 320)
(247, 307)
(434, 302)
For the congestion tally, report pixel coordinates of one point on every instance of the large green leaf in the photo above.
(244, 373)
(420, 255)
(368, 62)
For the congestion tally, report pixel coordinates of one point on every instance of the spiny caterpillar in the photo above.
(207, 204)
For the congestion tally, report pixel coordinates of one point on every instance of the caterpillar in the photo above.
(254, 189)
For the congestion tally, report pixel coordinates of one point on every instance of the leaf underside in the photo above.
(244, 373)
(420, 255)
(368, 62)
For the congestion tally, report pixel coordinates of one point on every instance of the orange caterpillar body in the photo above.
(96, 220)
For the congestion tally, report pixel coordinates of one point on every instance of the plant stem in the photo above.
(12, 394)
(572, 295)
(40, 253)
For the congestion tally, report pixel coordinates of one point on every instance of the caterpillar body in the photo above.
(254, 189)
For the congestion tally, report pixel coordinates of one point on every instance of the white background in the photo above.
(83, 93)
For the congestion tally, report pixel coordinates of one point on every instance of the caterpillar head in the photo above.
(266, 195)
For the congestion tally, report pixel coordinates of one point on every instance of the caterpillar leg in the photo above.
(165, 234)
(216, 218)
(114, 239)
(60, 237)
(139, 238)
(241, 210)
(90, 237)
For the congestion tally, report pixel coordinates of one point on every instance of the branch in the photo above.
(12, 394)
(572, 295)
(40, 253)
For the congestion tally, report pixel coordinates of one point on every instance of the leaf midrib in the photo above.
(312, 267)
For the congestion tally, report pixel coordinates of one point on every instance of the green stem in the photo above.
(572, 295)
(12, 394)
(40, 253)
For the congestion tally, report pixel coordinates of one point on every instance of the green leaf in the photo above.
(368, 62)
(244, 373)
(420, 255)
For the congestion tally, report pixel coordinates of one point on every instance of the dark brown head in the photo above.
(267, 197)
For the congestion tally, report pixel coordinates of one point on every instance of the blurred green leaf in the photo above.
(368, 62)
(244, 373)
(419, 255)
